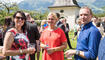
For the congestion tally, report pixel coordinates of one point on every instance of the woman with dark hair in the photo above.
(15, 40)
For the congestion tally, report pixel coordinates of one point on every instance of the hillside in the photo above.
(42, 5)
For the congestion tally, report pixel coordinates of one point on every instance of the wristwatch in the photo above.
(77, 52)
(54, 49)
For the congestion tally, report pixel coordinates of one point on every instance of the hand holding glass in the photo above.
(69, 57)
(31, 45)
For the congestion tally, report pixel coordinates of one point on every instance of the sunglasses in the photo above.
(32, 21)
(22, 18)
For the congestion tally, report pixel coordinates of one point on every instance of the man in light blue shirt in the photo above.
(101, 52)
(88, 39)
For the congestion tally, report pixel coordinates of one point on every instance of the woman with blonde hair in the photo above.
(53, 40)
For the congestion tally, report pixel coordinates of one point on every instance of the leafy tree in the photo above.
(7, 9)
(100, 14)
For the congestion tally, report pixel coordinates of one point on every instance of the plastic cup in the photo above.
(1, 47)
(31, 45)
(69, 57)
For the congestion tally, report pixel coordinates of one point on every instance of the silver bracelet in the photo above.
(28, 49)
(20, 51)
(77, 52)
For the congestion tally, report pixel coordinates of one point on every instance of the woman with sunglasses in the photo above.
(15, 41)
(53, 40)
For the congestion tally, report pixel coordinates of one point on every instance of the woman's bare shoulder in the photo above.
(11, 29)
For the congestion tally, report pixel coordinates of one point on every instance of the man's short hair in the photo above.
(58, 15)
(86, 7)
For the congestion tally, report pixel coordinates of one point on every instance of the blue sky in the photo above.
(82, 1)
(86, 2)
(18, 1)
(10, 1)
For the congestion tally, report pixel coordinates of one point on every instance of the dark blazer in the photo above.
(32, 32)
(33, 35)
(59, 24)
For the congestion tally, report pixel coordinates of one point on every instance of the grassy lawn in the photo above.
(73, 44)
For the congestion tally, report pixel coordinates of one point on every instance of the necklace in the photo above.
(19, 31)
(51, 30)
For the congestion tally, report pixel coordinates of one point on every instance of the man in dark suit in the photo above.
(59, 23)
(33, 35)
(63, 20)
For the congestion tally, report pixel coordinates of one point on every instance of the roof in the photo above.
(64, 3)
(63, 6)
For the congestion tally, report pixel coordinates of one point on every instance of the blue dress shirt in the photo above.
(88, 42)
(101, 52)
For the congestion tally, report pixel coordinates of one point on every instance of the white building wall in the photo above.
(69, 12)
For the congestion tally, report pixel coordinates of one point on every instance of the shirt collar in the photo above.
(87, 26)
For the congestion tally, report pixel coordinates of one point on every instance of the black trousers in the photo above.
(68, 41)
(32, 56)
(1, 42)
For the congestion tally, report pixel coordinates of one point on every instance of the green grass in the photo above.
(73, 44)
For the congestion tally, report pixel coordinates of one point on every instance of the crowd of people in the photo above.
(21, 30)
